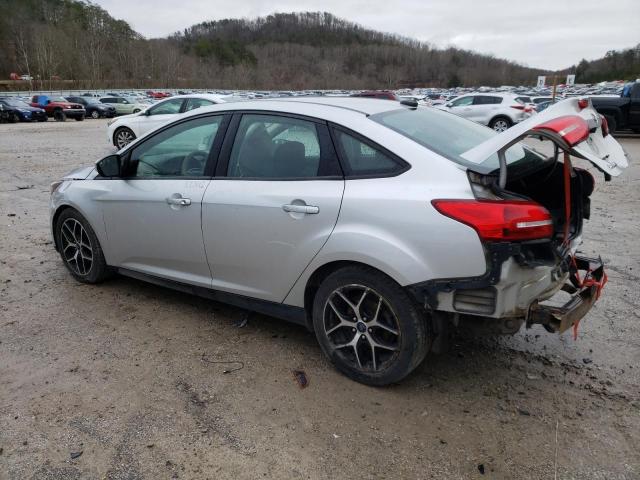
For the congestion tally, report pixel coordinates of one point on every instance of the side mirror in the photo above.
(147, 112)
(109, 166)
(448, 105)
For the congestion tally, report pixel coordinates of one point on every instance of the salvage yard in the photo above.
(128, 380)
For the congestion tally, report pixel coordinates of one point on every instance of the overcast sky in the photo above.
(549, 34)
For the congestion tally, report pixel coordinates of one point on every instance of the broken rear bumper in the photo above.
(586, 280)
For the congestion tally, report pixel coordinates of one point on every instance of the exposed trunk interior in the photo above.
(546, 186)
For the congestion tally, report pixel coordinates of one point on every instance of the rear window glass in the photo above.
(450, 136)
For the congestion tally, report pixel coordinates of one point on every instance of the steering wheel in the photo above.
(193, 163)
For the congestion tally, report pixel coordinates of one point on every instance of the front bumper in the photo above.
(74, 112)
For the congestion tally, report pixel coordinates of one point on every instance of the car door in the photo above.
(272, 205)
(463, 107)
(159, 114)
(485, 107)
(152, 214)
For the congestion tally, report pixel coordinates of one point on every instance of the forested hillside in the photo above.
(80, 42)
(623, 65)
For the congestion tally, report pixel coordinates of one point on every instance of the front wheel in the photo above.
(59, 116)
(79, 248)
(80, 118)
(123, 137)
(14, 118)
(368, 326)
(95, 114)
(500, 124)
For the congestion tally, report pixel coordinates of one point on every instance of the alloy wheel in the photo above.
(500, 125)
(76, 246)
(95, 114)
(123, 138)
(361, 327)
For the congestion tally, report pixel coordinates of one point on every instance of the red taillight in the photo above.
(500, 220)
(604, 125)
(518, 107)
(583, 103)
(572, 128)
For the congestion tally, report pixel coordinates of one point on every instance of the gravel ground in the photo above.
(125, 373)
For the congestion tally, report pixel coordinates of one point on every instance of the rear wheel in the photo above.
(59, 116)
(500, 124)
(123, 137)
(79, 248)
(368, 326)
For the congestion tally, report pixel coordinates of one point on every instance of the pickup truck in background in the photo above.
(622, 112)
(59, 108)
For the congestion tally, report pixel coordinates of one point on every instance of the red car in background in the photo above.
(157, 95)
(59, 108)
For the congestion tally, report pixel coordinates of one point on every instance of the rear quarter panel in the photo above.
(390, 224)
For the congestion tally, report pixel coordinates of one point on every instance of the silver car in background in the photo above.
(496, 110)
(377, 225)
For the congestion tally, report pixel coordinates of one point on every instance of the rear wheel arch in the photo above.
(320, 274)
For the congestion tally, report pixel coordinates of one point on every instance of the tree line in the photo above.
(80, 42)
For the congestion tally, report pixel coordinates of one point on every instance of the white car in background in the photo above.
(496, 110)
(124, 130)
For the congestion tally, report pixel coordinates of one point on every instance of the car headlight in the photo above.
(55, 186)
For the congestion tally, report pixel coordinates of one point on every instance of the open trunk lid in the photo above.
(573, 124)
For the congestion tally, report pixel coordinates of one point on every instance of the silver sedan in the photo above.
(378, 225)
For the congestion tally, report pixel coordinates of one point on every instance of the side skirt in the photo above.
(289, 313)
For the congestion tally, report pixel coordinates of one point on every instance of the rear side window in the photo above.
(362, 159)
(193, 103)
(487, 100)
(270, 146)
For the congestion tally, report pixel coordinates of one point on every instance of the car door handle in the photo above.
(311, 209)
(181, 201)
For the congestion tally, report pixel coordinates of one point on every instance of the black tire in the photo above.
(59, 116)
(137, 110)
(14, 118)
(499, 121)
(80, 118)
(95, 114)
(396, 311)
(122, 137)
(98, 269)
(43, 119)
(611, 123)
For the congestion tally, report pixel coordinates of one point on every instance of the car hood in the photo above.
(80, 173)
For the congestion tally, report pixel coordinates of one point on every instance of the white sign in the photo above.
(571, 79)
(541, 81)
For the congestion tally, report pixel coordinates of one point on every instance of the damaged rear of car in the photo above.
(528, 212)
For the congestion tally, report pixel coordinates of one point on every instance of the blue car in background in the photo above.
(19, 111)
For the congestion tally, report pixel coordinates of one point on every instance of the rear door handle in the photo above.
(175, 199)
(310, 209)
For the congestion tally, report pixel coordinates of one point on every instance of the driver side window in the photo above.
(179, 151)
(167, 108)
(462, 102)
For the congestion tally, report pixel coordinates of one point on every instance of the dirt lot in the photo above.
(124, 372)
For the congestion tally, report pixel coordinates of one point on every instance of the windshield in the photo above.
(16, 103)
(58, 99)
(450, 136)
